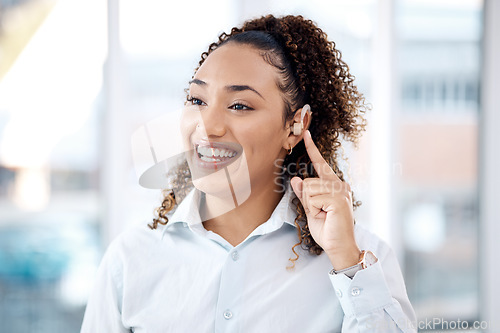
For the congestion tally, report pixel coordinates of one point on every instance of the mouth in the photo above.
(216, 155)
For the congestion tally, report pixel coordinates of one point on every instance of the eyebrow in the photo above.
(234, 87)
(198, 82)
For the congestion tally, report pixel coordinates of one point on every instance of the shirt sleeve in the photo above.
(375, 299)
(103, 311)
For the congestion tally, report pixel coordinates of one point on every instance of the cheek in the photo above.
(262, 138)
(188, 123)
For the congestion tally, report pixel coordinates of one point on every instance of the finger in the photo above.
(319, 163)
(296, 183)
(298, 188)
(323, 203)
(318, 186)
(317, 205)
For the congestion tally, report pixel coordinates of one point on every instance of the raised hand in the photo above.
(327, 201)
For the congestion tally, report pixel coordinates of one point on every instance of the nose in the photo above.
(213, 121)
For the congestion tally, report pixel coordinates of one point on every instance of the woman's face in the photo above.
(233, 123)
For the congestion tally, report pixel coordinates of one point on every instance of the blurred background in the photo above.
(77, 78)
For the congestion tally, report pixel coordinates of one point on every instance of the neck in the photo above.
(235, 223)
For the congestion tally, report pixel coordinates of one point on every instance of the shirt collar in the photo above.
(187, 213)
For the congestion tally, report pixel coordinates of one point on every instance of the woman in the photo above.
(265, 113)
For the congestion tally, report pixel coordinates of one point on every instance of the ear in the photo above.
(306, 118)
(299, 116)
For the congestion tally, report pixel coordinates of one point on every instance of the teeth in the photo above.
(209, 154)
(208, 159)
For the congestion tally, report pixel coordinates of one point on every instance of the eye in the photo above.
(195, 101)
(240, 107)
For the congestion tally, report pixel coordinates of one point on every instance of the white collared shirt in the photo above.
(183, 278)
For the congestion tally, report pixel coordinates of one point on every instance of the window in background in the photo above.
(50, 82)
(437, 129)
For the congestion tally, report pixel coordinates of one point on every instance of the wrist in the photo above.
(345, 258)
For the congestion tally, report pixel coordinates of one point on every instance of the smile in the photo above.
(215, 155)
(210, 154)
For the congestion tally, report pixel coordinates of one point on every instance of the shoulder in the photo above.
(135, 241)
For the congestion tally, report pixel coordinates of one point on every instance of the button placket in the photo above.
(232, 277)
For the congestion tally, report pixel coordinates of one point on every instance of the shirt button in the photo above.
(235, 255)
(355, 291)
(228, 314)
(339, 293)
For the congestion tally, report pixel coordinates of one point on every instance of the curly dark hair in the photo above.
(311, 71)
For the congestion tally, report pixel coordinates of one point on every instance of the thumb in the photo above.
(296, 183)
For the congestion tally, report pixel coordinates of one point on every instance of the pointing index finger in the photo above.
(319, 163)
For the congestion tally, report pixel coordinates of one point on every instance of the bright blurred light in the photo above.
(425, 228)
(447, 4)
(171, 29)
(50, 89)
(32, 189)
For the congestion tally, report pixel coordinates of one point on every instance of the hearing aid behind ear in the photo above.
(298, 127)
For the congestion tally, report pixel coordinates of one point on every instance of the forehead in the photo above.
(235, 63)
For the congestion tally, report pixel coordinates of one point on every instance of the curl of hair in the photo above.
(180, 183)
(311, 71)
(161, 212)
